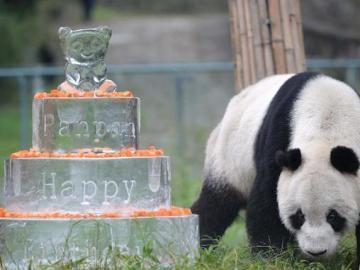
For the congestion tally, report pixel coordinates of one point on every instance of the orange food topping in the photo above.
(151, 151)
(55, 93)
(172, 211)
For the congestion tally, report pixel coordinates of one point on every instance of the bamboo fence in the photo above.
(267, 39)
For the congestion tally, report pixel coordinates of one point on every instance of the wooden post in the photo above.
(267, 39)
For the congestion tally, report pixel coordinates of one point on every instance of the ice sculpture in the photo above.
(85, 189)
(84, 52)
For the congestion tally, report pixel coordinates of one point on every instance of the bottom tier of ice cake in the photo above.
(48, 241)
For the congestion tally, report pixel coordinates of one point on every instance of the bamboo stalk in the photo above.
(258, 48)
(301, 61)
(277, 37)
(265, 37)
(238, 74)
(295, 36)
(244, 45)
(250, 42)
(288, 40)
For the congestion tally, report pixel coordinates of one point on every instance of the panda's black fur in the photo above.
(217, 209)
(263, 223)
(217, 206)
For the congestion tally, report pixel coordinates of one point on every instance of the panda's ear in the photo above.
(290, 159)
(344, 160)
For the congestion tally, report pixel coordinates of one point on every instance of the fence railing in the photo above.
(30, 79)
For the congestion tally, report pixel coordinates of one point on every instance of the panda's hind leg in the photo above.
(217, 206)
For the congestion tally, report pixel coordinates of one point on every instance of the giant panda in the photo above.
(287, 150)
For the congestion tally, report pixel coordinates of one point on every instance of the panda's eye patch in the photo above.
(344, 160)
(297, 219)
(336, 221)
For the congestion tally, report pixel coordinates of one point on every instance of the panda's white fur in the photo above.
(235, 135)
(326, 114)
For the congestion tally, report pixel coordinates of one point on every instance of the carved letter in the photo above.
(124, 249)
(154, 168)
(64, 129)
(100, 129)
(67, 189)
(84, 129)
(48, 122)
(127, 130)
(51, 186)
(138, 250)
(129, 190)
(132, 127)
(114, 193)
(87, 196)
(115, 129)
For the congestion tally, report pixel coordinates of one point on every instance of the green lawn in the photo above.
(232, 252)
(9, 130)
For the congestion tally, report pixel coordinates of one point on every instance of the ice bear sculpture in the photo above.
(84, 52)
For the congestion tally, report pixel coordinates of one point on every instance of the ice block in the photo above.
(46, 241)
(87, 184)
(66, 124)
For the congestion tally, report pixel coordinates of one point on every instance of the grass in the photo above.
(231, 253)
(9, 130)
(222, 257)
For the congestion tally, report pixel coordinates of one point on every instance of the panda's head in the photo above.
(318, 196)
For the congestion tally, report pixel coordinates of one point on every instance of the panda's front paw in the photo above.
(207, 241)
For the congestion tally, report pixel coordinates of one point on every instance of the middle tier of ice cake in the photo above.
(66, 124)
(87, 184)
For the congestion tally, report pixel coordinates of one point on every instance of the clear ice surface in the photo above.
(87, 184)
(47, 241)
(84, 52)
(68, 124)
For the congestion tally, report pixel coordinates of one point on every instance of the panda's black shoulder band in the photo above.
(344, 160)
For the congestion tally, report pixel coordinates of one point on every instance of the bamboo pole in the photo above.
(235, 37)
(288, 39)
(300, 37)
(267, 39)
(243, 42)
(250, 43)
(277, 36)
(258, 45)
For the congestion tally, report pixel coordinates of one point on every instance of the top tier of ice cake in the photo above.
(87, 110)
(69, 124)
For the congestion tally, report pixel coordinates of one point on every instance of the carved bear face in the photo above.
(86, 45)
